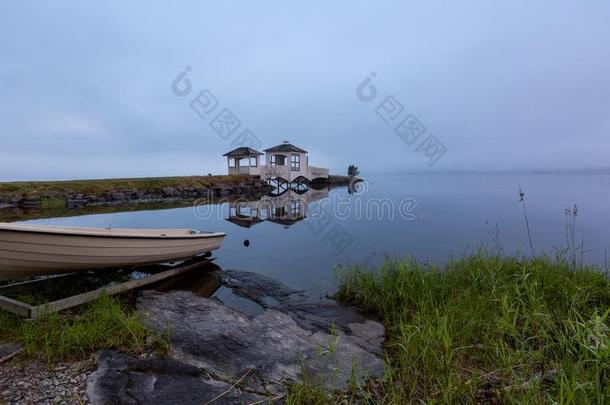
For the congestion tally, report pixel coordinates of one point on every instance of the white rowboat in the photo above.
(35, 250)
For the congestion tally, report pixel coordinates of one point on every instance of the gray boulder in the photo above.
(169, 191)
(122, 379)
(254, 330)
(291, 338)
(119, 196)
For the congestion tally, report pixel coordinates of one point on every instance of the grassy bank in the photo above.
(483, 329)
(102, 324)
(98, 186)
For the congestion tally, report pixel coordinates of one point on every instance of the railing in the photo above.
(312, 172)
(251, 170)
(275, 171)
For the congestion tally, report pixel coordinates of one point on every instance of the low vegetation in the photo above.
(98, 186)
(482, 329)
(479, 329)
(102, 324)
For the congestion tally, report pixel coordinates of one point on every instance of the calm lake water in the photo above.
(429, 217)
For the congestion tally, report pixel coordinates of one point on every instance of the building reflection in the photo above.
(286, 209)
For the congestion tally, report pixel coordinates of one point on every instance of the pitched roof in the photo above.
(243, 151)
(285, 147)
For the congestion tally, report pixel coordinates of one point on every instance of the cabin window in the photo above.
(231, 162)
(278, 160)
(253, 162)
(295, 163)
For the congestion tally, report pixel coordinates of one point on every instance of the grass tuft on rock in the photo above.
(102, 324)
(305, 393)
(484, 329)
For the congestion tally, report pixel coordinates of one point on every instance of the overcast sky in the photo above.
(86, 90)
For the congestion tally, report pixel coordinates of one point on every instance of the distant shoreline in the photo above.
(575, 172)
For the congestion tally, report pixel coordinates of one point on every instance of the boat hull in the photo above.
(34, 251)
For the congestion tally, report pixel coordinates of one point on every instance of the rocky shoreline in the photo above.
(57, 196)
(73, 199)
(245, 344)
(32, 382)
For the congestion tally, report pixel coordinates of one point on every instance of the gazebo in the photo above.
(244, 161)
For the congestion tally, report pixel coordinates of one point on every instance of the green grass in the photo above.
(483, 328)
(102, 324)
(308, 394)
(52, 203)
(9, 326)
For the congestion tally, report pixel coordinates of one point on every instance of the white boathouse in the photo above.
(284, 163)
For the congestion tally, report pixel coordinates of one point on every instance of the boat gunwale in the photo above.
(116, 235)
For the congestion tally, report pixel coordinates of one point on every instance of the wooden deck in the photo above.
(33, 311)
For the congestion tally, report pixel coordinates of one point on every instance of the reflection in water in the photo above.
(454, 215)
(280, 186)
(204, 281)
(356, 186)
(13, 214)
(286, 209)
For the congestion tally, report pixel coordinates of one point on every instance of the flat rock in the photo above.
(261, 289)
(215, 343)
(121, 379)
(290, 339)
